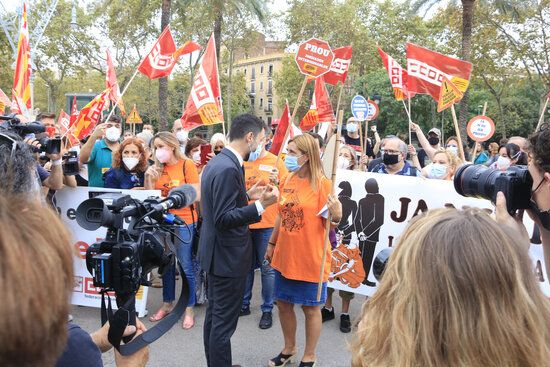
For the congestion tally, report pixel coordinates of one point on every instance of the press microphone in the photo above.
(180, 197)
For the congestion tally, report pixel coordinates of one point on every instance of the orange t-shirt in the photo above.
(174, 176)
(259, 171)
(299, 249)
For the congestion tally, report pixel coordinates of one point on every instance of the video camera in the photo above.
(70, 163)
(12, 123)
(121, 262)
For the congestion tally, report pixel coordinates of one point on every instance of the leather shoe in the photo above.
(244, 311)
(266, 321)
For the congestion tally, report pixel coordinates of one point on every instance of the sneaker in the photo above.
(266, 321)
(345, 324)
(327, 314)
(244, 311)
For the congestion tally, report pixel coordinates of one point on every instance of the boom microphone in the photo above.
(180, 197)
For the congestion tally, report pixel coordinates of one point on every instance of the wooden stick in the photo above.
(328, 220)
(484, 109)
(541, 118)
(339, 98)
(361, 143)
(410, 120)
(457, 131)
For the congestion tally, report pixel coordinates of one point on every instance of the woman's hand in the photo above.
(269, 252)
(153, 173)
(334, 208)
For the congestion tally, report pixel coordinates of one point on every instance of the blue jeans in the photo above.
(185, 257)
(260, 237)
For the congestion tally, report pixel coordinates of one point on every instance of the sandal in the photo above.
(188, 326)
(307, 364)
(281, 360)
(159, 315)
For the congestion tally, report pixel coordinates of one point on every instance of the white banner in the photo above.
(68, 199)
(374, 222)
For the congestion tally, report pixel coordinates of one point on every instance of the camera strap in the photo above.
(122, 317)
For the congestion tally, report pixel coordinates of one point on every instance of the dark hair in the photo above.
(45, 115)
(193, 143)
(539, 147)
(514, 152)
(17, 170)
(318, 137)
(114, 118)
(243, 124)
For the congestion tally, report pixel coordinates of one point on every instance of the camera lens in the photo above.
(476, 181)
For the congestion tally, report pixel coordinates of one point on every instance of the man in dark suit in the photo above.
(225, 248)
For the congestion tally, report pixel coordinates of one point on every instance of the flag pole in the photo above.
(121, 94)
(457, 130)
(339, 97)
(291, 122)
(328, 220)
(361, 142)
(541, 118)
(410, 117)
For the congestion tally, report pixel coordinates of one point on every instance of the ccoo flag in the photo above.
(21, 80)
(110, 77)
(204, 103)
(398, 76)
(89, 115)
(427, 68)
(320, 109)
(162, 58)
(340, 66)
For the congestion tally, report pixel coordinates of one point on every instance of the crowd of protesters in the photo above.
(416, 317)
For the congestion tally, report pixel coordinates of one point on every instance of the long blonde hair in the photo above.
(458, 291)
(171, 141)
(308, 146)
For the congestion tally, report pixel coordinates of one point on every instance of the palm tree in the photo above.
(467, 21)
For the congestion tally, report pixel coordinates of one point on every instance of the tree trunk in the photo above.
(467, 20)
(229, 89)
(163, 82)
(502, 118)
(218, 32)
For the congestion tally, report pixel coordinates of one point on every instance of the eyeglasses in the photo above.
(12, 141)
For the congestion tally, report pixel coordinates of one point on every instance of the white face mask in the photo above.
(453, 149)
(130, 162)
(503, 163)
(342, 163)
(437, 171)
(197, 157)
(112, 134)
(182, 136)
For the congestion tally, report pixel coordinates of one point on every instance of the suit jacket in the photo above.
(225, 247)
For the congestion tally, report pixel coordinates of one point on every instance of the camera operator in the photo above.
(538, 149)
(98, 153)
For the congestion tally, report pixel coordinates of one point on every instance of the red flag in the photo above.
(163, 56)
(89, 115)
(320, 109)
(340, 66)
(280, 132)
(204, 103)
(110, 77)
(4, 101)
(64, 124)
(21, 80)
(398, 76)
(548, 96)
(427, 68)
(74, 113)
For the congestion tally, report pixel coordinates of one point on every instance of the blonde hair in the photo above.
(458, 291)
(36, 281)
(351, 151)
(170, 140)
(454, 160)
(309, 146)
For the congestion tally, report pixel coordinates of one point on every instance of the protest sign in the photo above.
(480, 128)
(314, 57)
(374, 220)
(359, 107)
(67, 200)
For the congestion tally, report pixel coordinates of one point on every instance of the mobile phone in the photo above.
(205, 150)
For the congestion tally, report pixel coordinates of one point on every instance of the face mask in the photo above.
(254, 154)
(182, 136)
(196, 157)
(216, 152)
(130, 162)
(291, 163)
(390, 159)
(163, 155)
(503, 163)
(453, 149)
(437, 171)
(544, 216)
(351, 128)
(433, 141)
(112, 134)
(342, 163)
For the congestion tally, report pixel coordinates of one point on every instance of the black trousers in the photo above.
(367, 255)
(225, 297)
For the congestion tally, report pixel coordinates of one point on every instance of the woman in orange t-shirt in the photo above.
(296, 245)
(171, 170)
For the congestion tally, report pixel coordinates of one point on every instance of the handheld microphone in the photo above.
(180, 197)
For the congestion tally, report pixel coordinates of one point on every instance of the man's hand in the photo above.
(256, 191)
(99, 131)
(513, 223)
(412, 150)
(139, 358)
(364, 160)
(100, 337)
(269, 196)
(274, 176)
(35, 145)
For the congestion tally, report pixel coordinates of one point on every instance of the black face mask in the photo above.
(390, 159)
(216, 152)
(433, 141)
(544, 216)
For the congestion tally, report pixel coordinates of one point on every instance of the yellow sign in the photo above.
(134, 118)
(448, 95)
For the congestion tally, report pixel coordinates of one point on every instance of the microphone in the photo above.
(180, 197)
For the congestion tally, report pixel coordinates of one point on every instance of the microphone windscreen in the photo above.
(183, 196)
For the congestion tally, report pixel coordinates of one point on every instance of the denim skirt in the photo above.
(298, 292)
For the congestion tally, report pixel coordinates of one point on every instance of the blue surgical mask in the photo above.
(291, 163)
(255, 154)
(437, 170)
(351, 128)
